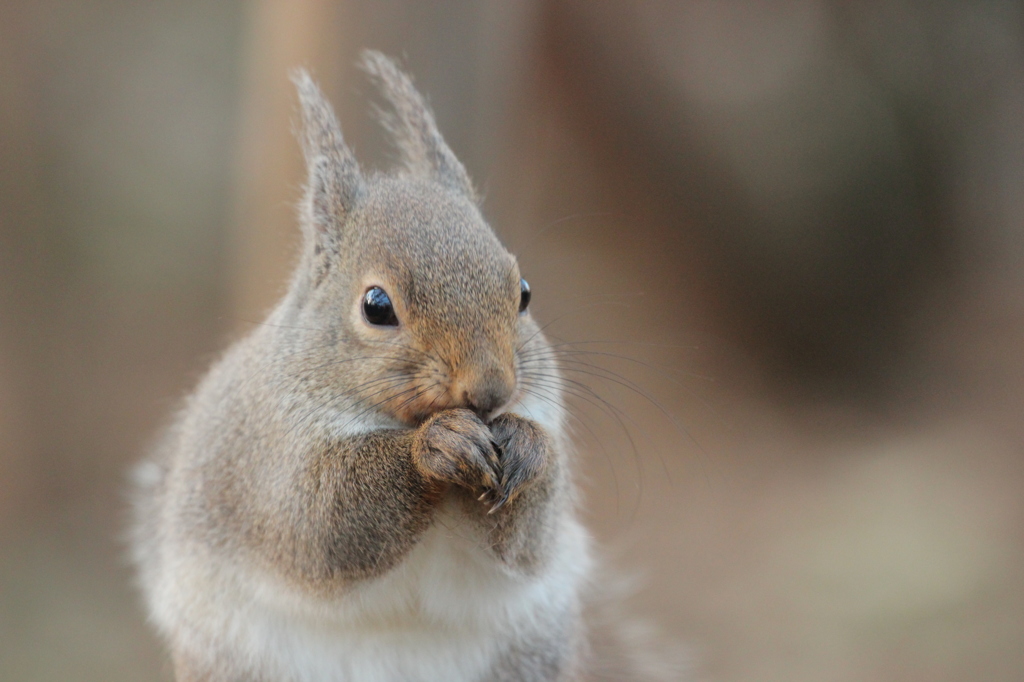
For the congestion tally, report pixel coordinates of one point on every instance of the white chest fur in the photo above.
(444, 613)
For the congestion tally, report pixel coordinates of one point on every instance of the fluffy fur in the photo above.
(338, 501)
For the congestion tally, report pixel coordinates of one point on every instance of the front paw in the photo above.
(454, 446)
(523, 452)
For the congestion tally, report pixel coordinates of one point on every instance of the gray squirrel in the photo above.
(366, 488)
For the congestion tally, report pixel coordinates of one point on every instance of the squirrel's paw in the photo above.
(454, 446)
(523, 453)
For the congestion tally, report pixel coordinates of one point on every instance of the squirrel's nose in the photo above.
(488, 392)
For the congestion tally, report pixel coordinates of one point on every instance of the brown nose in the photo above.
(487, 392)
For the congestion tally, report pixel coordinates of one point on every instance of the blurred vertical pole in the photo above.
(282, 35)
(23, 276)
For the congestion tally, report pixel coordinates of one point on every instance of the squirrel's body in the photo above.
(375, 484)
(449, 610)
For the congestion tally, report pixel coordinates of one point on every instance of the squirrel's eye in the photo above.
(524, 295)
(377, 308)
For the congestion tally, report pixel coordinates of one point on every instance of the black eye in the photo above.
(377, 308)
(524, 295)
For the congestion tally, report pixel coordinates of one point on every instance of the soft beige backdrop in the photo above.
(787, 234)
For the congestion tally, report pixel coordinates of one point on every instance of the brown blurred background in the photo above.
(788, 235)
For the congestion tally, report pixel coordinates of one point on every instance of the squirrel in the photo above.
(366, 488)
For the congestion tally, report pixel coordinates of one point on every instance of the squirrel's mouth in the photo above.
(413, 404)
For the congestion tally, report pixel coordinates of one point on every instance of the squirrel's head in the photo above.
(421, 305)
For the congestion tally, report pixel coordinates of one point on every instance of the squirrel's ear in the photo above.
(335, 181)
(423, 150)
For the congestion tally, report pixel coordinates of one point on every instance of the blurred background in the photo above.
(782, 240)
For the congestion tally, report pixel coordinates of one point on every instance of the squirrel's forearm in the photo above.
(521, 533)
(359, 506)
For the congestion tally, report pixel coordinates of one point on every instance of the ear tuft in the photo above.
(335, 181)
(423, 150)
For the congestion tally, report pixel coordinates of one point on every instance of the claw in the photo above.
(499, 504)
